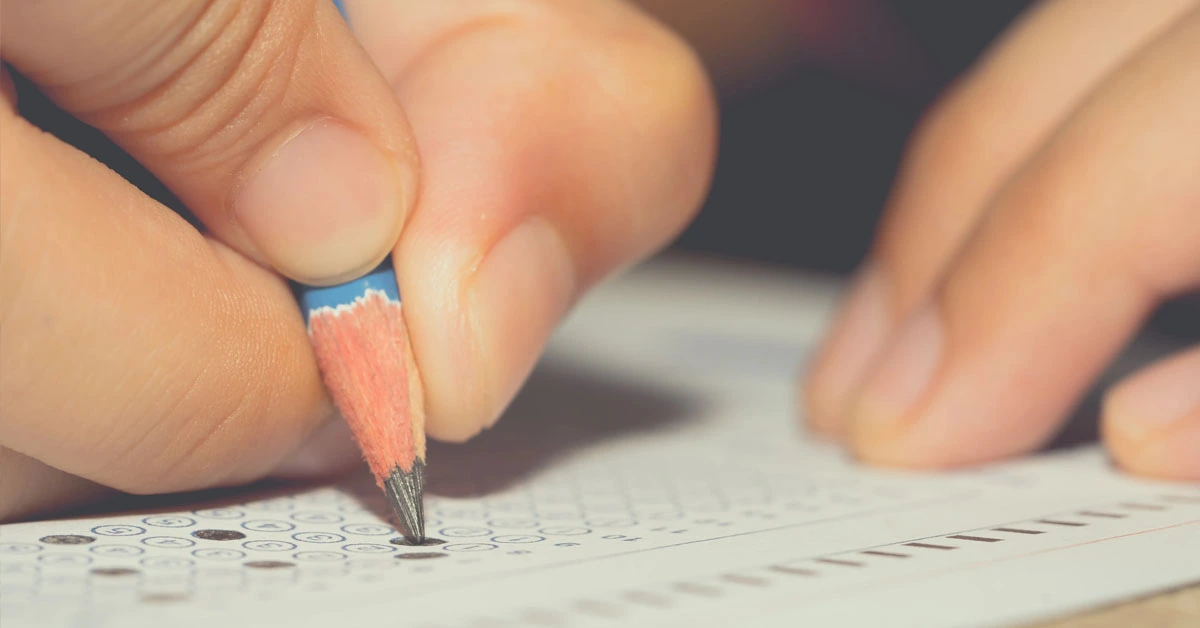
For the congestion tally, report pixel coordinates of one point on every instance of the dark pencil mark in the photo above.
(1056, 522)
(980, 539)
(888, 554)
(269, 564)
(164, 598)
(838, 561)
(425, 543)
(746, 580)
(219, 535)
(114, 571)
(1020, 531)
(421, 555)
(1103, 515)
(67, 539)
(795, 571)
(931, 546)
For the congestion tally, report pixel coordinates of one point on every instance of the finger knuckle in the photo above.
(655, 95)
(201, 101)
(954, 133)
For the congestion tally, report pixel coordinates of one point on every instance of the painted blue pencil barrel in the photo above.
(383, 278)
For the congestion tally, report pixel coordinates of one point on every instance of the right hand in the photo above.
(510, 154)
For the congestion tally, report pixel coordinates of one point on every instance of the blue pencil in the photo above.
(361, 343)
(358, 334)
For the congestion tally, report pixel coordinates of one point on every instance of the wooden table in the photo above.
(1177, 608)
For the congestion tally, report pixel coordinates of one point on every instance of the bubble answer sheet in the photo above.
(651, 473)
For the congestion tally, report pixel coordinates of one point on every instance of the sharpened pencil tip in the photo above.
(406, 493)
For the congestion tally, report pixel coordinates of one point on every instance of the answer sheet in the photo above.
(651, 473)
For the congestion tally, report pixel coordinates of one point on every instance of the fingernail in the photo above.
(859, 332)
(328, 450)
(521, 291)
(1154, 401)
(905, 372)
(327, 206)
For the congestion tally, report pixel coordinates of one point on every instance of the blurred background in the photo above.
(817, 100)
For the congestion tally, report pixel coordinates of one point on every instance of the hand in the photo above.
(511, 154)
(1049, 202)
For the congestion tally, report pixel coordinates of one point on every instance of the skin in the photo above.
(584, 130)
(1047, 203)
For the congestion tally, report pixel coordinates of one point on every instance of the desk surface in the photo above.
(1180, 607)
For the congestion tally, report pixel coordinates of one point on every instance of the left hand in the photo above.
(1046, 206)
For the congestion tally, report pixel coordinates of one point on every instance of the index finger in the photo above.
(267, 119)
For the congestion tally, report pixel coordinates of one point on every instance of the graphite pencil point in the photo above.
(405, 492)
(361, 343)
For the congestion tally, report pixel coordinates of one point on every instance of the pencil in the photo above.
(361, 343)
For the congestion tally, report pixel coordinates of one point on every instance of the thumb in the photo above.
(265, 118)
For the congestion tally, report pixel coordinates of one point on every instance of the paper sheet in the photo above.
(650, 474)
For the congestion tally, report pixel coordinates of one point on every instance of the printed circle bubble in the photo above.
(319, 557)
(169, 542)
(169, 522)
(565, 530)
(219, 535)
(368, 548)
(220, 513)
(19, 548)
(269, 545)
(318, 537)
(317, 517)
(610, 523)
(67, 539)
(459, 513)
(560, 515)
(64, 560)
(367, 529)
(117, 551)
(119, 530)
(218, 553)
(518, 538)
(167, 562)
(469, 547)
(513, 523)
(267, 525)
(465, 531)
